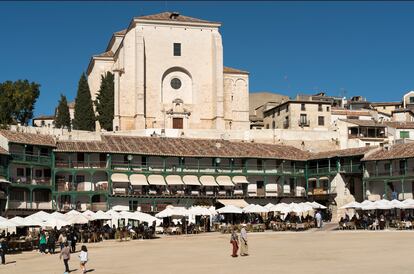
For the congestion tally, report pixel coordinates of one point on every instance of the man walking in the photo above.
(65, 255)
(243, 241)
(318, 218)
(3, 248)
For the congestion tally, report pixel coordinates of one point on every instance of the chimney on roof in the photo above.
(174, 15)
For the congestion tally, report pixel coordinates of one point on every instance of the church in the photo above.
(169, 74)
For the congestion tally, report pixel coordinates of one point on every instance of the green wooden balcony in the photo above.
(355, 168)
(205, 169)
(80, 164)
(3, 171)
(321, 170)
(23, 180)
(31, 159)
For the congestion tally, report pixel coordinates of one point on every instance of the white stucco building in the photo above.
(169, 73)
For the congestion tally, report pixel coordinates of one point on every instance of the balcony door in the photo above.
(260, 188)
(29, 150)
(178, 123)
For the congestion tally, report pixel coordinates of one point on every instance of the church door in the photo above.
(178, 123)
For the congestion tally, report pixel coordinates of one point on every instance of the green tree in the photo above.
(17, 100)
(62, 118)
(7, 104)
(84, 115)
(105, 101)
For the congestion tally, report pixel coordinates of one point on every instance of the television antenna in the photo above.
(286, 79)
(343, 92)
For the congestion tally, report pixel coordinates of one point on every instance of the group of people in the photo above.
(234, 240)
(367, 221)
(65, 255)
(317, 219)
(66, 238)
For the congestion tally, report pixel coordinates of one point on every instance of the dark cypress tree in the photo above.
(105, 101)
(84, 114)
(62, 117)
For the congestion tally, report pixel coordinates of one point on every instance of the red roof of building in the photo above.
(28, 138)
(172, 16)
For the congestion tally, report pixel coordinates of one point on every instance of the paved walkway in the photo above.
(270, 252)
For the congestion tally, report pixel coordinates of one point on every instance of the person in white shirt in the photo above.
(244, 251)
(83, 256)
(318, 218)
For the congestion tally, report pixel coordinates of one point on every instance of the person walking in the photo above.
(244, 251)
(234, 240)
(62, 240)
(83, 256)
(318, 218)
(51, 243)
(73, 242)
(42, 243)
(65, 255)
(3, 249)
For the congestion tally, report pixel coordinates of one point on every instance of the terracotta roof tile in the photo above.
(364, 123)
(44, 117)
(28, 138)
(167, 16)
(234, 71)
(401, 125)
(399, 110)
(375, 104)
(183, 147)
(121, 32)
(348, 112)
(105, 54)
(342, 152)
(398, 151)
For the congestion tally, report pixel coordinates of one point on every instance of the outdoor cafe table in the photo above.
(18, 244)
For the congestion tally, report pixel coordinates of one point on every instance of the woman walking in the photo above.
(83, 256)
(65, 255)
(234, 240)
(243, 241)
(62, 240)
(42, 243)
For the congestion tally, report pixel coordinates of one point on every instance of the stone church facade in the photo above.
(169, 73)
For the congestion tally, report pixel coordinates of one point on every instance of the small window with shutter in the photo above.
(177, 49)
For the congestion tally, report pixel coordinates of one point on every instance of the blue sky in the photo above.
(349, 48)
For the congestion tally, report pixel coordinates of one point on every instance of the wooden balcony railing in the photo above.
(80, 164)
(33, 159)
(31, 181)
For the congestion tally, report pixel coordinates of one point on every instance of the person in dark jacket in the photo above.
(3, 250)
(73, 239)
(51, 242)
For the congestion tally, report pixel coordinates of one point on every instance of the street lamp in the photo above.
(217, 161)
(129, 157)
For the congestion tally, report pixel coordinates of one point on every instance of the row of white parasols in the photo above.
(283, 208)
(381, 205)
(57, 219)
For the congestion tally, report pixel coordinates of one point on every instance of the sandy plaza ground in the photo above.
(270, 252)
